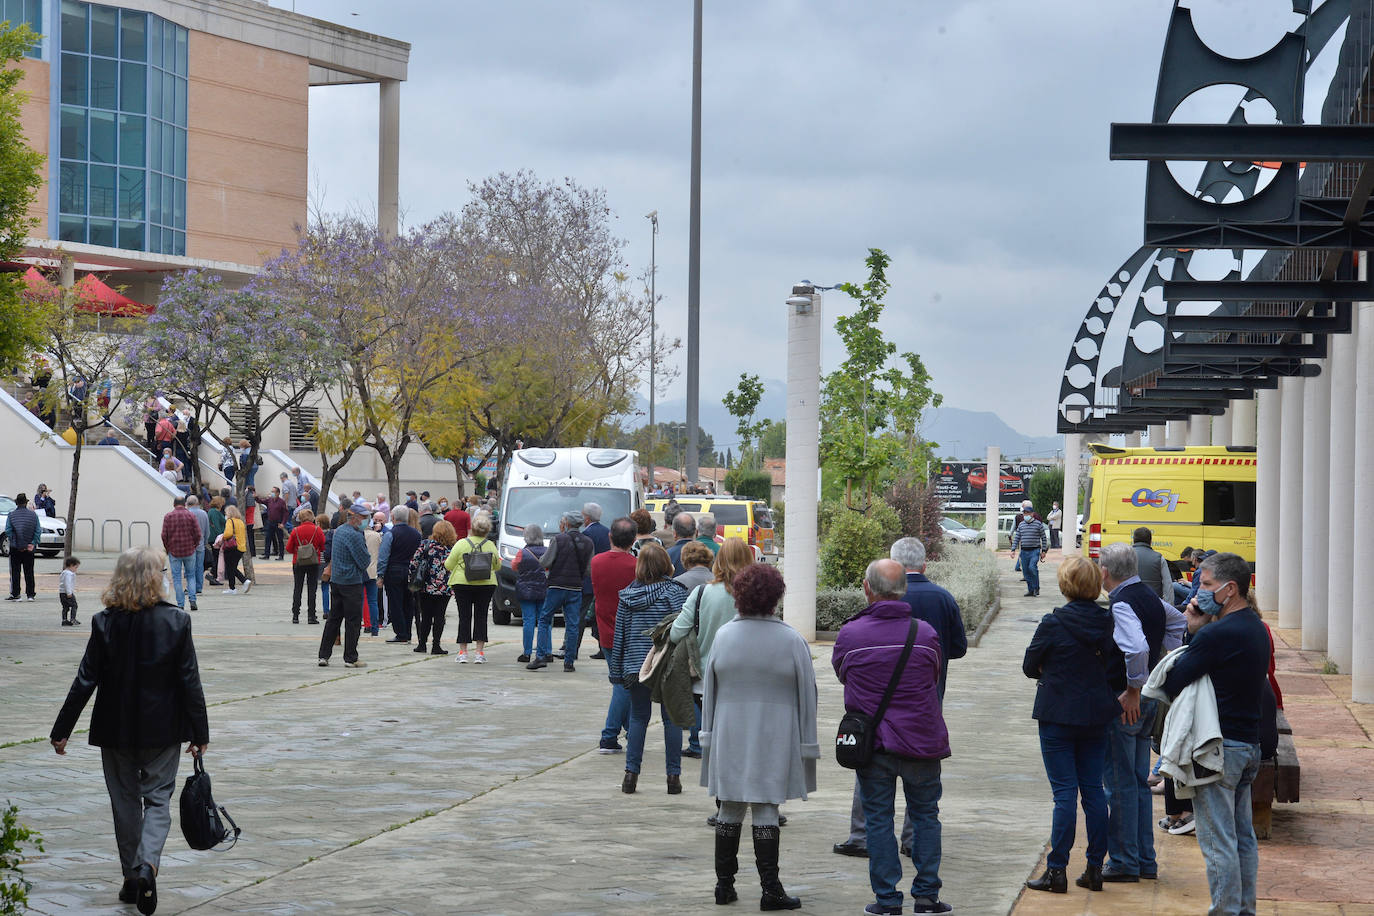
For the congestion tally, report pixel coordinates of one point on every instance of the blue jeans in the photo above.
(878, 789)
(1225, 833)
(200, 569)
(1030, 566)
(570, 600)
(618, 713)
(183, 566)
(1075, 756)
(694, 737)
(530, 620)
(324, 598)
(1181, 590)
(641, 707)
(1130, 822)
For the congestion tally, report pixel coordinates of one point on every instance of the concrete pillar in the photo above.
(1222, 432)
(993, 496)
(1362, 627)
(1242, 422)
(1133, 440)
(1176, 433)
(1156, 436)
(1073, 450)
(1200, 429)
(1316, 505)
(804, 327)
(1269, 406)
(1290, 503)
(1340, 599)
(389, 157)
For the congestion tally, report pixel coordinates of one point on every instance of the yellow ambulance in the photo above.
(1199, 496)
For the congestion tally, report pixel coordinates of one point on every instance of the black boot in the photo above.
(727, 861)
(438, 631)
(1091, 878)
(766, 858)
(1053, 880)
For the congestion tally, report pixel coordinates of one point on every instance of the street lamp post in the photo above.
(652, 217)
(803, 455)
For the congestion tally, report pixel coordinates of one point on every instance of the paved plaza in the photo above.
(417, 785)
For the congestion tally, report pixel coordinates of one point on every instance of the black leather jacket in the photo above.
(142, 667)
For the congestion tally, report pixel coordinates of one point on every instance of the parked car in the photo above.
(960, 533)
(50, 542)
(1006, 524)
(978, 479)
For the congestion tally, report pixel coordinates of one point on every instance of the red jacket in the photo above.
(304, 533)
(611, 572)
(460, 520)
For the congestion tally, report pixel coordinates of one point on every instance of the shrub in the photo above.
(748, 484)
(14, 890)
(970, 574)
(1046, 487)
(919, 510)
(851, 542)
(836, 605)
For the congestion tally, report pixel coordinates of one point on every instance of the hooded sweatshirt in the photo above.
(1078, 665)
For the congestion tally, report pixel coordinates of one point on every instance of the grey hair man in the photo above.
(706, 531)
(684, 530)
(600, 537)
(1152, 568)
(937, 607)
(203, 519)
(568, 560)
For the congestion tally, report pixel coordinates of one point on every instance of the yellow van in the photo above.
(735, 518)
(1200, 497)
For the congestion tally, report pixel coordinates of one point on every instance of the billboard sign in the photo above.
(963, 484)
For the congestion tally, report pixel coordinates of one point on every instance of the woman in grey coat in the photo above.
(758, 730)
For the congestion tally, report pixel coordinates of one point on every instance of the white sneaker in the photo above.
(31, 598)
(481, 658)
(247, 584)
(228, 591)
(1185, 825)
(462, 658)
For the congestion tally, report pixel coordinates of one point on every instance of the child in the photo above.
(66, 590)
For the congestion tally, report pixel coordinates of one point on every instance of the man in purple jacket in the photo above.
(910, 741)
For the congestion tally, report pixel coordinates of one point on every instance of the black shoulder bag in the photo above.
(854, 740)
(200, 816)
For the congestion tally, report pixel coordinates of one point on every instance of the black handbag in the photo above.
(200, 816)
(854, 739)
(476, 563)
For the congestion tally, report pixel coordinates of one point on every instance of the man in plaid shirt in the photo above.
(180, 537)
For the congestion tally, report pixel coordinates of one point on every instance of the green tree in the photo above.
(21, 327)
(743, 403)
(773, 439)
(1046, 486)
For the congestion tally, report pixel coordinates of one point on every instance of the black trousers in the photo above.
(21, 562)
(400, 605)
(232, 573)
(472, 602)
(346, 611)
(433, 612)
(273, 540)
(309, 577)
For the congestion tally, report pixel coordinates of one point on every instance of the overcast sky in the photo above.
(968, 139)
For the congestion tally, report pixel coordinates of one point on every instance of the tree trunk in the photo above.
(392, 463)
(71, 499)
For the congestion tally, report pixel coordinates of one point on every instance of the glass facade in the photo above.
(122, 135)
(25, 12)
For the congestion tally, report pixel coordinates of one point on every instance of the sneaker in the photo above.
(247, 584)
(358, 664)
(193, 606)
(31, 598)
(930, 905)
(1184, 824)
(481, 658)
(324, 663)
(882, 908)
(694, 754)
(12, 598)
(66, 623)
(462, 658)
(610, 747)
(1165, 822)
(229, 591)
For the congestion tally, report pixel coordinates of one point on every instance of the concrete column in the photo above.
(993, 496)
(1242, 415)
(1222, 429)
(1316, 505)
(1133, 440)
(1176, 433)
(1068, 503)
(1269, 406)
(389, 157)
(1340, 599)
(1156, 435)
(1200, 429)
(1290, 503)
(1362, 627)
(804, 327)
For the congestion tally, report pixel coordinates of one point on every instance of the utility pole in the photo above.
(652, 217)
(694, 259)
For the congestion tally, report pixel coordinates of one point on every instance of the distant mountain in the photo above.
(961, 434)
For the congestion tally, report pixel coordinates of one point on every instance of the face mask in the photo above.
(1207, 602)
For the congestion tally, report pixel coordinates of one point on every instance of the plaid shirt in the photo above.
(180, 532)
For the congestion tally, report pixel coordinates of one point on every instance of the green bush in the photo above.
(970, 574)
(749, 484)
(836, 605)
(852, 541)
(14, 836)
(1046, 487)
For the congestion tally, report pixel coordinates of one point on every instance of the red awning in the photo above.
(97, 297)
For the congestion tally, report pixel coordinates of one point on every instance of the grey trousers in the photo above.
(858, 832)
(765, 815)
(140, 782)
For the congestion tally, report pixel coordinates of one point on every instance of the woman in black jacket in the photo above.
(1080, 672)
(141, 664)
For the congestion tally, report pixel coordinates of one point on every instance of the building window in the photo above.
(243, 421)
(25, 12)
(121, 111)
(303, 421)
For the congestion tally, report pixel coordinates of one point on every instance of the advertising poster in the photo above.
(963, 484)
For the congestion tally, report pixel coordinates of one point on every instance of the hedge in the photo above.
(969, 572)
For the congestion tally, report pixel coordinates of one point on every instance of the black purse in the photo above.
(200, 816)
(854, 739)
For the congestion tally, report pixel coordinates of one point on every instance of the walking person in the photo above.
(194, 507)
(346, 573)
(140, 646)
(231, 545)
(394, 562)
(1029, 543)
(758, 724)
(427, 563)
(23, 532)
(306, 546)
(1079, 671)
(643, 604)
(66, 591)
(531, 588)
(372, 537)
(472, 588)
(216, 516)
(180, 537)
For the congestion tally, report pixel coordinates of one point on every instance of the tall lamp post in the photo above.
(652, 217)
(803, 456)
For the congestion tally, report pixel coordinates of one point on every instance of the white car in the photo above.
(961, 533)
(50, 541)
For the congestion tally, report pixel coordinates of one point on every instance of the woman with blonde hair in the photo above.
(232, 544)
(472, 594)
(140, 646)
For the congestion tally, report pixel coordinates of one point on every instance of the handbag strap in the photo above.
(896, 675)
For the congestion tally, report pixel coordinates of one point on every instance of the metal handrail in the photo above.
(149, 540)
(103, 524)
(78, 521)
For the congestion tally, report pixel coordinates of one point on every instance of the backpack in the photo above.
(306, 554)
(200, 816)
(476, 563)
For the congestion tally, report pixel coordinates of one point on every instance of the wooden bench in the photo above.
(1277, 780)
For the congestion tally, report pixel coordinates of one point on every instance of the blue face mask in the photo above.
(1207, 602)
